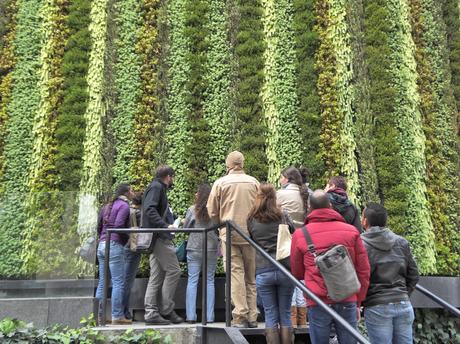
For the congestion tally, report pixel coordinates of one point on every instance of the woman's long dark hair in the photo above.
(265, 209)
(122, 189)
(293, 176)
(202, 195)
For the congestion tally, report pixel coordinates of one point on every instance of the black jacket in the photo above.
(394, 272)
(155, 206)
(344, 207)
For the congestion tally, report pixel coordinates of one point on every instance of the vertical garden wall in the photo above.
(94, 93)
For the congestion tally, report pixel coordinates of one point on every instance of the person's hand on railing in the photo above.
(359, 310)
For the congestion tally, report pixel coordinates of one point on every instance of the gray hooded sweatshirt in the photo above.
(394, 272)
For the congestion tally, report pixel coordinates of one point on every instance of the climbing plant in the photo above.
(438, 111)
(178, 103)
(217, 106)
(306, 46)
(128, 88)
(248, 46)
(399, 139)
(279, 93)
(334, 58)
(24, 104)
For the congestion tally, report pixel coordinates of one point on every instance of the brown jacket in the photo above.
(232, 198)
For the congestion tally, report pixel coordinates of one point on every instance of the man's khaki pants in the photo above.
(243, 282)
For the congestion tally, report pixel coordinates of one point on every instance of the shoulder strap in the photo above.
(310, 245)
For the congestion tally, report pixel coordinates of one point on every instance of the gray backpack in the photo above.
(336, 268)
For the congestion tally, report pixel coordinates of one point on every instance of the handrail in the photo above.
(438, 300)
(204, 285)
(230, 224)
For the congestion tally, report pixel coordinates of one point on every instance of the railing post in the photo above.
(204, 280)
(228, 273)
(106, 277)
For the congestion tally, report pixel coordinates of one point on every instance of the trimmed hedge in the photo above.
(246, 29)
(438, 110)
(399, 139)
(283, 143)
(24, 104)
(334, 60)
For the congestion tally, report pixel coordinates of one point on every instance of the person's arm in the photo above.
(413, 275)
(151, 204)
(122, 217)
(363, 269)
(213, 204)
(297, 256)
(188, 222)
(100, 222)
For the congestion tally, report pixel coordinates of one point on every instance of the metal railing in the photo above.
(230, 225)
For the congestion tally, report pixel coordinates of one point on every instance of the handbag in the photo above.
(143, 242)
(336, 268)
(181, 252)
(87, 251)
(283, 242)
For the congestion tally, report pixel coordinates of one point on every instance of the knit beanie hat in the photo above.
(234, 159)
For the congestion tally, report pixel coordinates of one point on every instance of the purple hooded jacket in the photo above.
(118, 218)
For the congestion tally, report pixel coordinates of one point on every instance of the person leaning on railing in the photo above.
(274, 288)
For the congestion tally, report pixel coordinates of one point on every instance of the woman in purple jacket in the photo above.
(114, 215)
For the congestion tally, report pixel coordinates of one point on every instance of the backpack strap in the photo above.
(310, 245)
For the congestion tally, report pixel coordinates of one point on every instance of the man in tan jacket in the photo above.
(232, 197)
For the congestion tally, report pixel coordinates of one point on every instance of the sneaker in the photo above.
(157, 319)
(252, 324)
(190, 321)
(174, 318)
(121, 321)
(243, 324)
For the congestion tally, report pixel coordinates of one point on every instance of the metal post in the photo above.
(204, 280)
(228, 273)
(106, 277)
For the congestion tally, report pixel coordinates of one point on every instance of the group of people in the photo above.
(382, 260)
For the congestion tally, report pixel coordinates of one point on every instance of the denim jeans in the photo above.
(132, 260)
(194, 268)
(390, 323)
(275, 290)
(116, 269)
(321, 323)
(298, 299)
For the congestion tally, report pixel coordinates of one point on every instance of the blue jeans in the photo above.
(194, 268)
(390, 323)
(116, 269)
(132, 260)
(321, 323)
(298, 299)
(275, 290)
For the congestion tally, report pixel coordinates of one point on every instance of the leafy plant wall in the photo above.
(94, 93)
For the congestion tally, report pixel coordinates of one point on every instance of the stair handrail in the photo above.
(446, 305)
(230, 225)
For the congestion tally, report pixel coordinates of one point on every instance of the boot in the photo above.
(272, 335)
(302, 317)
(294, 316)
(287, 335)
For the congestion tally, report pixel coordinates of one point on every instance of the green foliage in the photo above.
(248, 50)
(399, 140)
(279, 90)
(217, 107)
(147, 121)
(179, 108)
(24, 104)
(435, 326)
(306, 46)
(127, 84)
(15, 331)
(92, 171)
(438, 111)
(363, 119)
(40, 227)
(334, 58)
(7, 33)
(70, 131)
